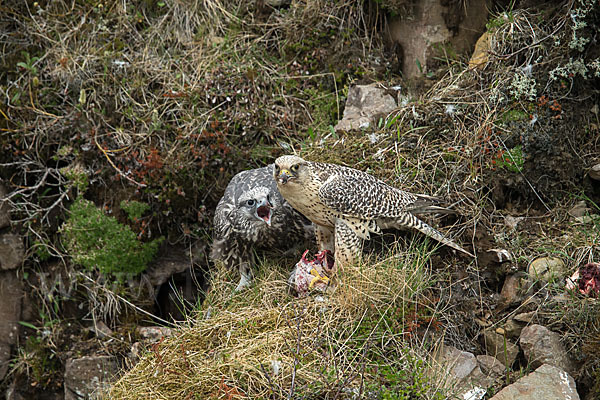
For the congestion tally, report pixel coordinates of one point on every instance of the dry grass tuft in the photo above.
(264, 343)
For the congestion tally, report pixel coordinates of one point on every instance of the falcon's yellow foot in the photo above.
(317, 278)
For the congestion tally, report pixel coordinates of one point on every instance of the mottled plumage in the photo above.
(346, 205)
(253, 215)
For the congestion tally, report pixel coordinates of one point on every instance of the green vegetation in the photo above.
(134, 209)
(97, 241)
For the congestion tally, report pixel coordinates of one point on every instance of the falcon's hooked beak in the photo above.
(263, 210)
(284, 176)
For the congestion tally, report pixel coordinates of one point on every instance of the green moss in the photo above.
(512, 159)
(98, 241)
(134, 209)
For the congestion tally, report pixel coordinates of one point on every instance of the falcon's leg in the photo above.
(245, 276)
(325, 238)
(348, 246)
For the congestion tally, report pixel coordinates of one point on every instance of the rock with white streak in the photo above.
(89, 377)
(547, 382)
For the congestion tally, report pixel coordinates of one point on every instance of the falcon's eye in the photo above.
(295, 167)
(250, 202)
(276, 169)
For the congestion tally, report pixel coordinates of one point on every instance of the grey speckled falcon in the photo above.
(252, 215)
(346, 205)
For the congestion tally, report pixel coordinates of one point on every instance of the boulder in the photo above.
(88, 377)
(547, 382)
(512, 290)
(464, 372)
(430, 30)
(512, 328)
(579, 210)
(11, 294)
(542, 346)
(595, 172)
(490, 366)
(546, 268)
(364, 105)
(501, 348)
(12, 251)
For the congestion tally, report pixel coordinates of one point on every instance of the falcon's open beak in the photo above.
(263, 210)
(284, 176)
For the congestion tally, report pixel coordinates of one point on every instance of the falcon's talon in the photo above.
(321, 279)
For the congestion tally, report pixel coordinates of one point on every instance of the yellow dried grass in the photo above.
(233, 343)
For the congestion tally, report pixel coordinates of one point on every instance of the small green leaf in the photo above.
(28, 325)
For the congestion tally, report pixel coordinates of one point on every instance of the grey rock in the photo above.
(491, 366)
(499, 347)
(542, 346)
(460, 370)
(101, 330)
(546, 268)
(512, 290)
(459, 364)
(579, 209)
(512, 328)
(11, 294)
(422, 27)
(547, 382)
(88, 377)
(154, 333)
(526, 317)
(595, 172)
(587, 219)
(4, 208)
(11, 251)
(364, 104)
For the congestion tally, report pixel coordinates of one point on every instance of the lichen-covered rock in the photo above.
(547, 382)
(11, 294)
(545, 268)
(11, 251)
(364, 104)
(87, 377)
(154, 333)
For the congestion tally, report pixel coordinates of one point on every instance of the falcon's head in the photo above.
(290, 170)
(254, 208)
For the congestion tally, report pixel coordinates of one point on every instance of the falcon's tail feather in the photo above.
(410, 221)
(425, 204)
